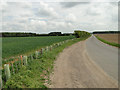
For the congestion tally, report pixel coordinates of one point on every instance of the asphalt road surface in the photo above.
(75, 67)
(104, 55)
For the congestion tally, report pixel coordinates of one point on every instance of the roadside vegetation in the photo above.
(36, 73)
(81, 34)
(110, 43)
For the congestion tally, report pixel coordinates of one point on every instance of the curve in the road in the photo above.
(75, 69)
(104, 55)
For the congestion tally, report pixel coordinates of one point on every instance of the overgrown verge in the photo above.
(110, 43)
(36, 74)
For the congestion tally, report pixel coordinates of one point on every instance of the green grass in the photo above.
(33, 75)
(110, 43)
(14, 46)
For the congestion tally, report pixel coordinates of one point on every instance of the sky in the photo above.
(45, 17)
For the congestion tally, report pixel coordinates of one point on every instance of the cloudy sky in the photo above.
(44, 17)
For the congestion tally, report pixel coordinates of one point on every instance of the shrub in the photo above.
(79, 34)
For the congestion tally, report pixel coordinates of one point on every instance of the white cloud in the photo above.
(44, 10)
(70, 17)
(44, 17)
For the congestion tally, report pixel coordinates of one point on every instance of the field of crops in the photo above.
(21, 55)
(109, 37)
(12, 46)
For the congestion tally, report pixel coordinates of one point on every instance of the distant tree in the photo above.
(55, 34)
(79, 34)
(106, 32)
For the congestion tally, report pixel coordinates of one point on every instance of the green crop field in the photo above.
(32, 69)
(12, 46)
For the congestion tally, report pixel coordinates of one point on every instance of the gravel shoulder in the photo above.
(75, 69)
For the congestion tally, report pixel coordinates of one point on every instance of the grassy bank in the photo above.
(110, 43)
(36, 74)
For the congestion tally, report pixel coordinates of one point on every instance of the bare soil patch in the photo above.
(109, 37)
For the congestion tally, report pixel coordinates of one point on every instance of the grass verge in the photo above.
(110, 43)
(36, 74)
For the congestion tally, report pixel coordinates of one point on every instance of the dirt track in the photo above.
(74, 69)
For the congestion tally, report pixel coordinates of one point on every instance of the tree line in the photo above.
(106, 32)
(22, 34)
(77, 33)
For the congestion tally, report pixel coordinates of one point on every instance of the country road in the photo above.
(104, 55)
(75, 67)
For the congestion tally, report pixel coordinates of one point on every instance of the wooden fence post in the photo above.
(12, 67)
(47, 48)
(36, 54)
(7, 71)
(31, 57)
(60, 44)
(51, 47)
(41, 51)
(56, 45)
(25, 60)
